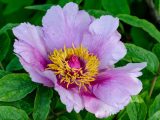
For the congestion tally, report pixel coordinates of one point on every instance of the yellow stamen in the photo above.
(81, 77)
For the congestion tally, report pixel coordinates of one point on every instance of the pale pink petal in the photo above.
(31, 50)
(114, 89)
(98, 107)
(64, 26)
(108, 50)
(29, 54)
(104, 26)
(134, 69)
(31, 35)
(44, 77)
(71, 98)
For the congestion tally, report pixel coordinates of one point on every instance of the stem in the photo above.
(153, 10)
(51, 117)
(60, 113)
(1, 66)
(153, 85)
(79, 117)
(154, 82)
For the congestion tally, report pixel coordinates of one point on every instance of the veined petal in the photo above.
(64, 26)
(104, 26)
(108, 50)
(31, 50)
(71, 98)
(114, 89)
(46, 78)
(31, 35)
(98, 107)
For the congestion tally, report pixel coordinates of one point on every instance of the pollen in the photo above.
(74, 66)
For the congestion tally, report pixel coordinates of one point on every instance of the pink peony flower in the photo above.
(76, 53)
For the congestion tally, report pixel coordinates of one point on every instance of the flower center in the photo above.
(74, 66)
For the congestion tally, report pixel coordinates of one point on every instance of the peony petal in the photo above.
(46, 78)
(32, 53)
(98, 107)
(31, 35)
(109, 51)
(133, 68)
(30, 45)
(71, 98)
(65, 26)
(114, 89)
(104, 26)
(29, 54)
(118, 84)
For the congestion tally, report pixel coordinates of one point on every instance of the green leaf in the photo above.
(123, 116)
(42, 103)
(108, 118)
(78, 1)
(141, 38)
(63, 118)
(141, 23)
(14, 87)
(59, 105)
(63, 2)
(44, 7)
(157, 5)
(21, 104)
(5, 45)
(26, 106)
(92, 4)
(12, 113)
(137, 109)
(8, 26)
(156, 116)
(138, 54)
(116, 6)
(156, 50)
(3, 73)
(90, 116)
(155, 106)
(97, 13)
(12, 7)
(14, 65)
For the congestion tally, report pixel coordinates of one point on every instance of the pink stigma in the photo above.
(74, 62)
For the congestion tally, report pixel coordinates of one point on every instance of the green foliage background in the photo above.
(21, 99)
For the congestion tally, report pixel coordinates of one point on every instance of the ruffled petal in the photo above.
(29, 54)
(71, 98)
(31, 35)
(98, 107)
(114, 89)
(108, 50)
(104, 26)
(31, 50)
(46, 77)
(64, 26)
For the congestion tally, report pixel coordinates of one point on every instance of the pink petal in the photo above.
(65, 26)
(114, 89)
(31, 35)
(104, 26)
(32, 53)
(108, 50)
(46, 78)
(98, 107)
(71, 98)
(29, 54)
